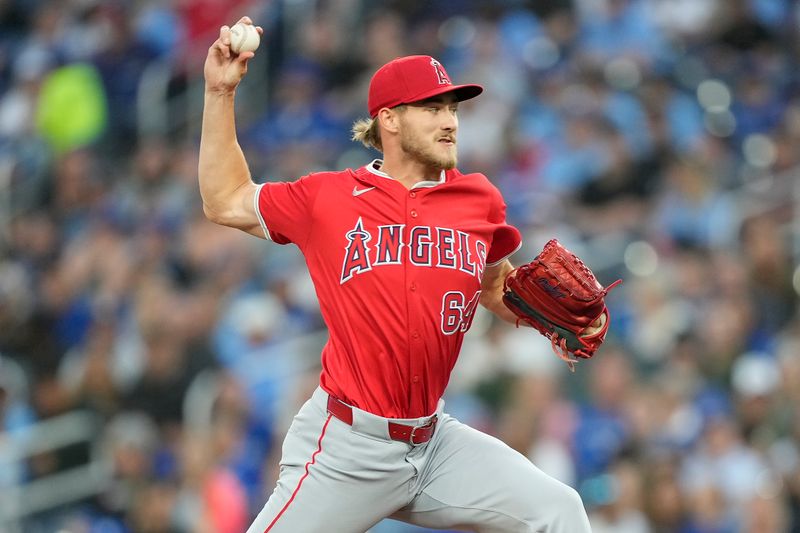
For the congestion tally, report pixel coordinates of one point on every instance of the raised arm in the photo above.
(226, 186)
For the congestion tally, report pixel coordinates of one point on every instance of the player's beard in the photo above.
(426, 154)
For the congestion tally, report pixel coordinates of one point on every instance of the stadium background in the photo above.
(150, 362)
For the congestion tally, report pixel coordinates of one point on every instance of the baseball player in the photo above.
(401, 251)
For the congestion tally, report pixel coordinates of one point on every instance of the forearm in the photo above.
(493, 301)
(492, 291)
(222, 168)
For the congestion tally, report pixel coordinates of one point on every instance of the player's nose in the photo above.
(449, 122)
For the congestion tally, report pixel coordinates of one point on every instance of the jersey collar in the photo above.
(375, 165)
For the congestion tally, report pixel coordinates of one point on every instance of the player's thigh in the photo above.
(476, 482)
(332, 479)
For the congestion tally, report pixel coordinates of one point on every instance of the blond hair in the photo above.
(366, 131)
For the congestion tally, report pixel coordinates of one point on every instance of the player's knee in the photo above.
(567, 512)
(571, 500)
(558, 501)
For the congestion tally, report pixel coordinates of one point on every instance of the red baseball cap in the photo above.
(411, 79)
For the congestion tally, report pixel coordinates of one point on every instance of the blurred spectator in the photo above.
(299, 118)
(160, 390)
(691, 211)
(129, 443)
(768, 261)
(120, 59)
(621, 510)
(212, 497)
(722, 474)
(252, 346)
(620, 28)
(603, 428)
(665, 504)
(16, 418)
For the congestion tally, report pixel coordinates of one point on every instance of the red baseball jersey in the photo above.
(397, 273)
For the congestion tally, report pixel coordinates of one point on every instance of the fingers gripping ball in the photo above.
(558, 294)
(244, 38)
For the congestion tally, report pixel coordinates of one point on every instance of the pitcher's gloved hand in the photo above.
(560, 296)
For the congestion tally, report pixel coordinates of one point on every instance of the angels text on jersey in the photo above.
(422, 246)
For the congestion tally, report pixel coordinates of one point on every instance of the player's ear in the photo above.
(389, 119)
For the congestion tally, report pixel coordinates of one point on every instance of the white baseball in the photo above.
(244, 38)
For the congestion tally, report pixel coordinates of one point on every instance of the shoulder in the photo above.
(316, 180)
(474, 180)
(330, 175)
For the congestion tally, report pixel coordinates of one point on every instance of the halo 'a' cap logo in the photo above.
(440, 73)
(410, 79)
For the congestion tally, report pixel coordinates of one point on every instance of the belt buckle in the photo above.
(430, 423)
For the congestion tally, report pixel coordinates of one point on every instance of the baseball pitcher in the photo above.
(401, 252)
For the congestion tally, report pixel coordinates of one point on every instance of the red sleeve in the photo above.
(507, 239)
(285, 209)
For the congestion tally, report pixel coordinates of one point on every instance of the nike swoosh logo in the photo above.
(359, 192)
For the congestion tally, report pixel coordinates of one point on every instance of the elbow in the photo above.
(233, 209)
(212, 214)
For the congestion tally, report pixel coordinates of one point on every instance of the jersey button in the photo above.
(413, 213)
(415, 379)
(412, 194)
(413, 286)
(415, 334)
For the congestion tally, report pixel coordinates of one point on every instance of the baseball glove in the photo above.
(558, 294)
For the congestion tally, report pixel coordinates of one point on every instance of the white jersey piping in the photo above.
(515, 250)
(422, 184)
(258, 212)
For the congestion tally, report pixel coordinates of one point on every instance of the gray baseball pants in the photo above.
(342, 478)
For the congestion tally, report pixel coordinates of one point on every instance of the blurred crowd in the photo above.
(658, 139)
